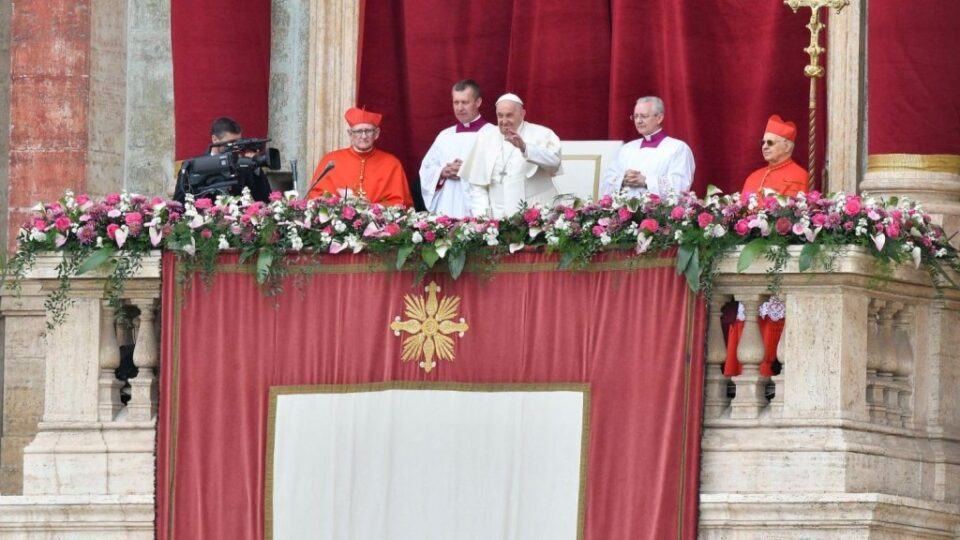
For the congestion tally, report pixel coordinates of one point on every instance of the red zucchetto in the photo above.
(787, 130)
(356, 116)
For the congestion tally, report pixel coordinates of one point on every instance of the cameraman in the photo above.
(225, 130)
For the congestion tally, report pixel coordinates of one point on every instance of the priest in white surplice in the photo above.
(513, 164)
(444, 192)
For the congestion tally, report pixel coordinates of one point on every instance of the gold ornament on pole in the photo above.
(814, 70)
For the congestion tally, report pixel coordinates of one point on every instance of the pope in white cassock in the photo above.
(444, 192)
(655, 162)
(513, 164)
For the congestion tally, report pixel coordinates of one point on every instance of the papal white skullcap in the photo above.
(510, 97)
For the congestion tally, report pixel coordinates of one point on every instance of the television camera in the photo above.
(237, 165)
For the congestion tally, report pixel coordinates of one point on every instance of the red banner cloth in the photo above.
(721, 67)
(628, 328)
(914, 105)
(221, 67)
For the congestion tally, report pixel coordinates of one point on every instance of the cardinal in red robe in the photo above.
(781, 174)
(362, 170)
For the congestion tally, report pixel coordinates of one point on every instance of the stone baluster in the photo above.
(146, 354)
(875, 401)
(888, 363)
(779, 388)
(109, 403)
(750, 385)
(902, 328)
(715, 392)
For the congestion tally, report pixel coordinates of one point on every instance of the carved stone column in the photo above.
(846, 97)
(334, 32)
(146, 356)
(750, 384)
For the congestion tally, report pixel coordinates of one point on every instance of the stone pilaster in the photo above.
(334, 32)
(846, 97)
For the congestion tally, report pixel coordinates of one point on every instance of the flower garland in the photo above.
(119, 230)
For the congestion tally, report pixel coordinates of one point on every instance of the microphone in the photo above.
(326, 169)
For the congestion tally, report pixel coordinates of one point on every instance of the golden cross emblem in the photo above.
(429, 327)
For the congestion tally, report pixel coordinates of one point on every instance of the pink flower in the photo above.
(112, 230)
(624, 213)
(649, 224)
(531, 215)
(569, 213)
(275, 195)
(704, 219)
(206, 233)
(852, 206)
(429, 236)
(783, 226)
(606, 201)
(133, 218)
(357, 223)
(40, 224)
(677, 212)
(112, 198)
(742, 227)
(813, 197)
(348, 213)
(893, 230)
(818, 220)
(444, 221)
(62, 223)
(598, 230)
(391, 229)
(327, 230)
(201, 204)
(421, 225)
(82, 199)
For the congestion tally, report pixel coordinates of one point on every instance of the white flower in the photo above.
(416, 237)
(339, 226)
(38, 235)
(222, 242)
(604, 239)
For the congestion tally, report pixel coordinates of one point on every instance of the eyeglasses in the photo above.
(636, 117)
(362, 132)
(768, 142)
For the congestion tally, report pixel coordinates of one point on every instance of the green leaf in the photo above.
(684, 254)
(713, 190)
(566, 259)
(96, 259)
(750, 253)
(807, 254)
(264, 261)
(429, 255)
(402, 255)
(692, 273)
(456, 261)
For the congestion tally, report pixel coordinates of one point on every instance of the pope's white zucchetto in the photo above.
(510, 97)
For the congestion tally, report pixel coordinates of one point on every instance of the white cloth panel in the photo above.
(424, 464)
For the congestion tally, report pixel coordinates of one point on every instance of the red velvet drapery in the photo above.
(629, 332)
(722, 68)
(221, 67)
(914, 89)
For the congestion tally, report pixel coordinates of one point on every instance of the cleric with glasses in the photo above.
(654, 163)
(361, 169)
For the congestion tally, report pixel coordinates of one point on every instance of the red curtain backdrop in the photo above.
(622, 330)
(221, 67)
(914, 73)
(721, 67)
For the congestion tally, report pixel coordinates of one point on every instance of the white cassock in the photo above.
(667, 164)
(452, 196)
(501, 177)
